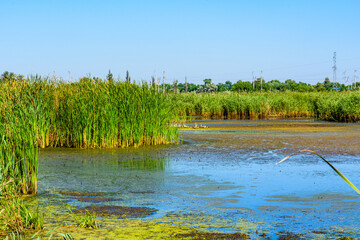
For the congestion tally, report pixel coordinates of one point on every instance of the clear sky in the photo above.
(223, 39)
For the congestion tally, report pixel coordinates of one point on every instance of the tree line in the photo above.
(258, 85)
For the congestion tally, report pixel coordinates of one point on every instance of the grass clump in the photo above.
(86, 220)
(15, 216)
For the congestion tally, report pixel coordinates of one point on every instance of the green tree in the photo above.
(110, 77)
(192, 87)
(207, 81)
(241, 86)
(303, 87)
(127, 78)
(222, 87)
(258, 85)
(290, 85)
(275, 85)
(320, 87)
(327, 84)
(8, 76)
(228, 85)
(181, 87)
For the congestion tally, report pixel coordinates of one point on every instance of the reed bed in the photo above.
(91, 113)
(330, 106)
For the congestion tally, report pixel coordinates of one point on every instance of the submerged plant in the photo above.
(337, 171)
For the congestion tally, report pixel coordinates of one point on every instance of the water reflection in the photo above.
(146, 163)
(100, 170)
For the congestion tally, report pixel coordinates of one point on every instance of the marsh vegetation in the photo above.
(38, 114)
(329, 106)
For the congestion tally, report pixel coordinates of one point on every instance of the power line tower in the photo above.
(163, 81)
(355, 78)
(158, 84)
(253, 81)
(154, 77)
(175, 86)
(334, 67)
(346, 79)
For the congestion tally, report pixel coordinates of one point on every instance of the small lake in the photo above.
(223, 178)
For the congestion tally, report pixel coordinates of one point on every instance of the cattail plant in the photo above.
(91, 113)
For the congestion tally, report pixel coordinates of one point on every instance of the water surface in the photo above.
(224, 178)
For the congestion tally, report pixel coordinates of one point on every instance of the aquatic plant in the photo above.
(86, 220)
(337, 171)
(16, 217)
(14, 236)
(49, 235)
(66, 236)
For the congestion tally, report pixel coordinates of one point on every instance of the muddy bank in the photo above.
(279, 135)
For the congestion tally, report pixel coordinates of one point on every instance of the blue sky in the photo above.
(222, 40)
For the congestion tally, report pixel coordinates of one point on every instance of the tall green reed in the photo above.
(107, 114)
(18, 128)
(330, 106)
(90, 113)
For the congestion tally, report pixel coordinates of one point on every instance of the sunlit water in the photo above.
(229, 172)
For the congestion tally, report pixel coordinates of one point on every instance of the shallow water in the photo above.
(223, 178)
